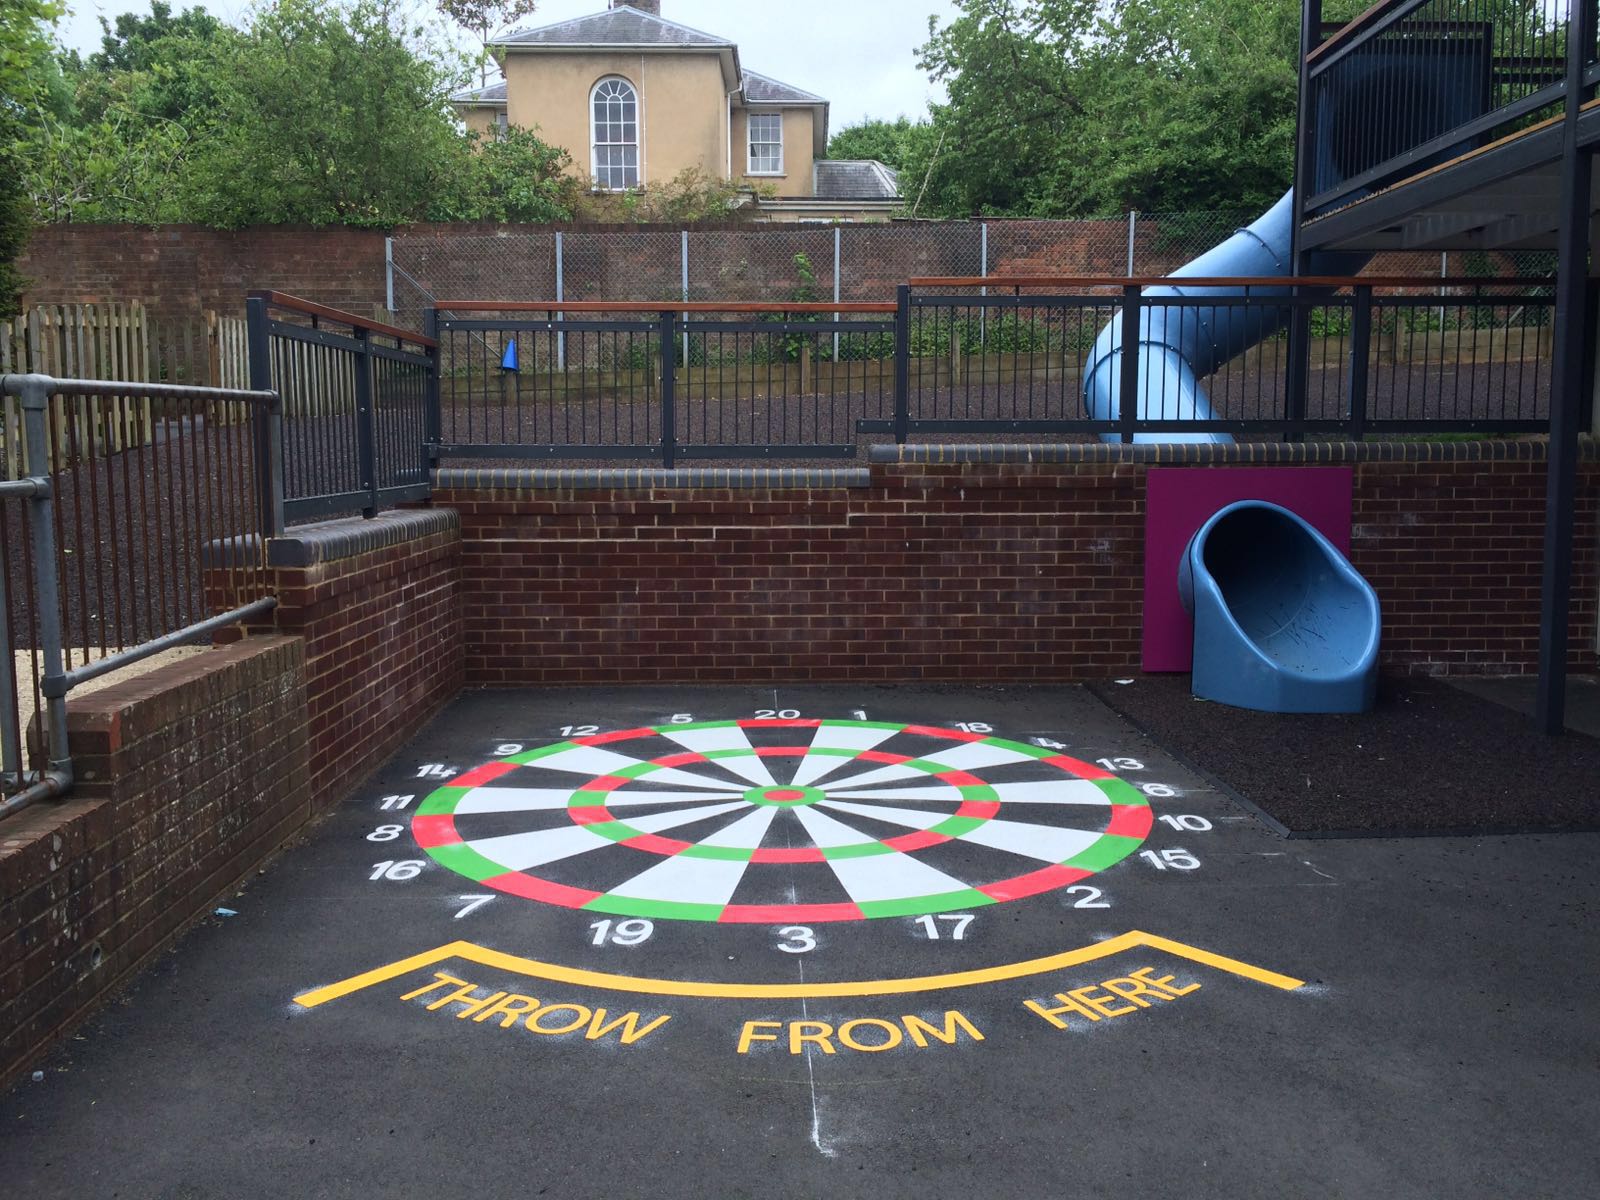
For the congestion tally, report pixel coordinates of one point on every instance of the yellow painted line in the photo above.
(579, 977)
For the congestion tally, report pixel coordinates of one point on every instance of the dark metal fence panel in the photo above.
(355, 405)
(117, 541)
(1009, 361)
(1415, 83)
(698, 380)
(1448, 356)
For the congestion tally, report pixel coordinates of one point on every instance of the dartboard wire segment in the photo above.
(782, 821)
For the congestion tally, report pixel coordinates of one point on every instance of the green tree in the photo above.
(483, 17)
(23, 49)
(326, 115)
(886, 141)
(508, 176)
(1081, 107)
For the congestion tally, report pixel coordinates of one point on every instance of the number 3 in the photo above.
(802, 937)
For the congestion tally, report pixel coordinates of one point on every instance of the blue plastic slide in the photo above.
(1180, 346)
(1282, 621)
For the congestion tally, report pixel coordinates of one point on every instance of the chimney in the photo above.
(653, 7)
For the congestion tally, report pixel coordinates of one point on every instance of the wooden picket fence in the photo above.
(114, 341)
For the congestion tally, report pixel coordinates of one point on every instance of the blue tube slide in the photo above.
(1282, 621)
(1180, 346)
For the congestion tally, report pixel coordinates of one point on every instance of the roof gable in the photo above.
(763, 89)
(621, 27)
(855, 179)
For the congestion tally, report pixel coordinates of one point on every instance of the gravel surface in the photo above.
(1430, 759)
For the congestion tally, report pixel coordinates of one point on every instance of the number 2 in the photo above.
(1089, 898)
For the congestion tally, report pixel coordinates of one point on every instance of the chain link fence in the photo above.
(815, 263)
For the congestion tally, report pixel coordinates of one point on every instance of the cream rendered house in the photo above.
(636, 99)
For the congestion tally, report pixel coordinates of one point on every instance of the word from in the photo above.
(1100, 1001)
(865, 1035)
(553, 1020)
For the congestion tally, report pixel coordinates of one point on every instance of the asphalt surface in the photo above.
(1345, 775)
(1397, 1018)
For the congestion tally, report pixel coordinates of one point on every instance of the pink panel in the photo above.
(1181, 499)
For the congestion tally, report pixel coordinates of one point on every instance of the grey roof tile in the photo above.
(494, 93)
(763, 89)
(617, 27)
(856, 179)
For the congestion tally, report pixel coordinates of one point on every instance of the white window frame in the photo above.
(749, 143)
(595, 144)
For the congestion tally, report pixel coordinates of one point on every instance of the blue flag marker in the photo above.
(508, 361)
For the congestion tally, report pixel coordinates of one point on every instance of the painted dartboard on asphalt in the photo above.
(782, 821)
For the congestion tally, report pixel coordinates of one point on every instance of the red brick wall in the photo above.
(188, 777)
(1455, 552)
(960, 572)
(180, 270)
(377, 604)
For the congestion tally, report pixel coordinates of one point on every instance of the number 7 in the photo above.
(477, 902)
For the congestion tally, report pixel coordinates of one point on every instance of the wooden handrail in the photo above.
(1316, 281)
(659, 306)
(312, 309)
(1353, 28)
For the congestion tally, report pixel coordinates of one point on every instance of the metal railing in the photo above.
(993, 354)
(1384, 355)
(633, 381)
(357, 401)
(137, 507)
(1414, 83)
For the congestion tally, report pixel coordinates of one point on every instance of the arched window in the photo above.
(614, 134)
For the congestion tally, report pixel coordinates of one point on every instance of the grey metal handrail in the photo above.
(37, 489)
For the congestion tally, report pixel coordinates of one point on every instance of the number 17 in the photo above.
(959, 920)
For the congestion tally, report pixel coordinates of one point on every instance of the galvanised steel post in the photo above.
(268, 420)
(10, 746)
(1128, 364)
(1300, 316)
(669, 387)
(35, 399)
(1567, 400)
(366, 455)
(561, 295)
(902, 363)
(1360, 344)
(432, 418)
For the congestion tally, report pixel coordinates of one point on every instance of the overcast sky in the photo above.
(860, 54)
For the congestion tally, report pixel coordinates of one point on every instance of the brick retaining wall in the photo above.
(977, 565)
(188, 777)
(377, 604)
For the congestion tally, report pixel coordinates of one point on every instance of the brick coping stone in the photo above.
(348, 537)
(1531, 449)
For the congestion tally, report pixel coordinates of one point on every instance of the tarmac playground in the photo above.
(825, 942)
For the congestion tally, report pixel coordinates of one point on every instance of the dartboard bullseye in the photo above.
(777, 821)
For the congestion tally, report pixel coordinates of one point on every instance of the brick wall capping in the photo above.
(1181, 454)
(638, 478)
(331, 541)
(172, 684)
